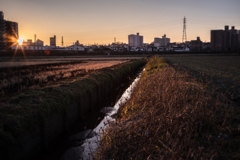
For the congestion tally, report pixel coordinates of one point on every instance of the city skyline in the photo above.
(100, 22)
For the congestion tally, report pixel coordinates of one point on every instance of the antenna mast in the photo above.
(184, 37)
(62, 40)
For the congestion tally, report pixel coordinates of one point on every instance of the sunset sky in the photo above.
(99, 21)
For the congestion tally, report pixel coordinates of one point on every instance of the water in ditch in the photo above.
(71, 145)
(92, 137)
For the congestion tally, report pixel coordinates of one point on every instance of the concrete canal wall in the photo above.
(56, 109)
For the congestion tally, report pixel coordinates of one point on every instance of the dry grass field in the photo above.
(221, 72)
(14, 79)
(174, 115)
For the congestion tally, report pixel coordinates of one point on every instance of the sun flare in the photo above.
(20, 41)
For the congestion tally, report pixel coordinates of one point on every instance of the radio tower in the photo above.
(184, 37)
(62, 40)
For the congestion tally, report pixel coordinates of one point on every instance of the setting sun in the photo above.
(20, 40)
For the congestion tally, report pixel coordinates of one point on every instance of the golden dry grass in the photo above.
(171, 116)
(17, 79)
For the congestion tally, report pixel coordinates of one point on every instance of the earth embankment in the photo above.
(33, 119)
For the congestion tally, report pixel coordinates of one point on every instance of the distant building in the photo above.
(2, 31)
(180, 49)
(238, 40)
(217, 40)
(30, 45)
(11, 33)
(225, 40)
(135, 40)
(39, 43)
(157, 42)
(27, 43)
(206, 46)
(161, 42)
(76, 47)
(234, 35)
(53, 41)
(196, 45)
(165, 40)
(173, 44)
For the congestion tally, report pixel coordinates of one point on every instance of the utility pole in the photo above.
(184, 37)
(62, 41)
(35, 41)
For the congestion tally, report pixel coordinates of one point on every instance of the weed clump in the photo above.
(171, 116)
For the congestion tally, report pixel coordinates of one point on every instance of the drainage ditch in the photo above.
(83, 128)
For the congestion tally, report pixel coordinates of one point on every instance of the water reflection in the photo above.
(88, 148)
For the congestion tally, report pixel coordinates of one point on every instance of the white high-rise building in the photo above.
(135, 40)
(161, 41)
(165, 40)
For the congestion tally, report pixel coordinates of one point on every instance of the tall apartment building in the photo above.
(225, 40)
(2, 31)
(162, 41)
(11, 33)
(135, 40)
(165, 40)
(8, 33)
(217, 40)
(53, 41)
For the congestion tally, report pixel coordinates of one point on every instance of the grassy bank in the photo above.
(172, 116)
(26, 117)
